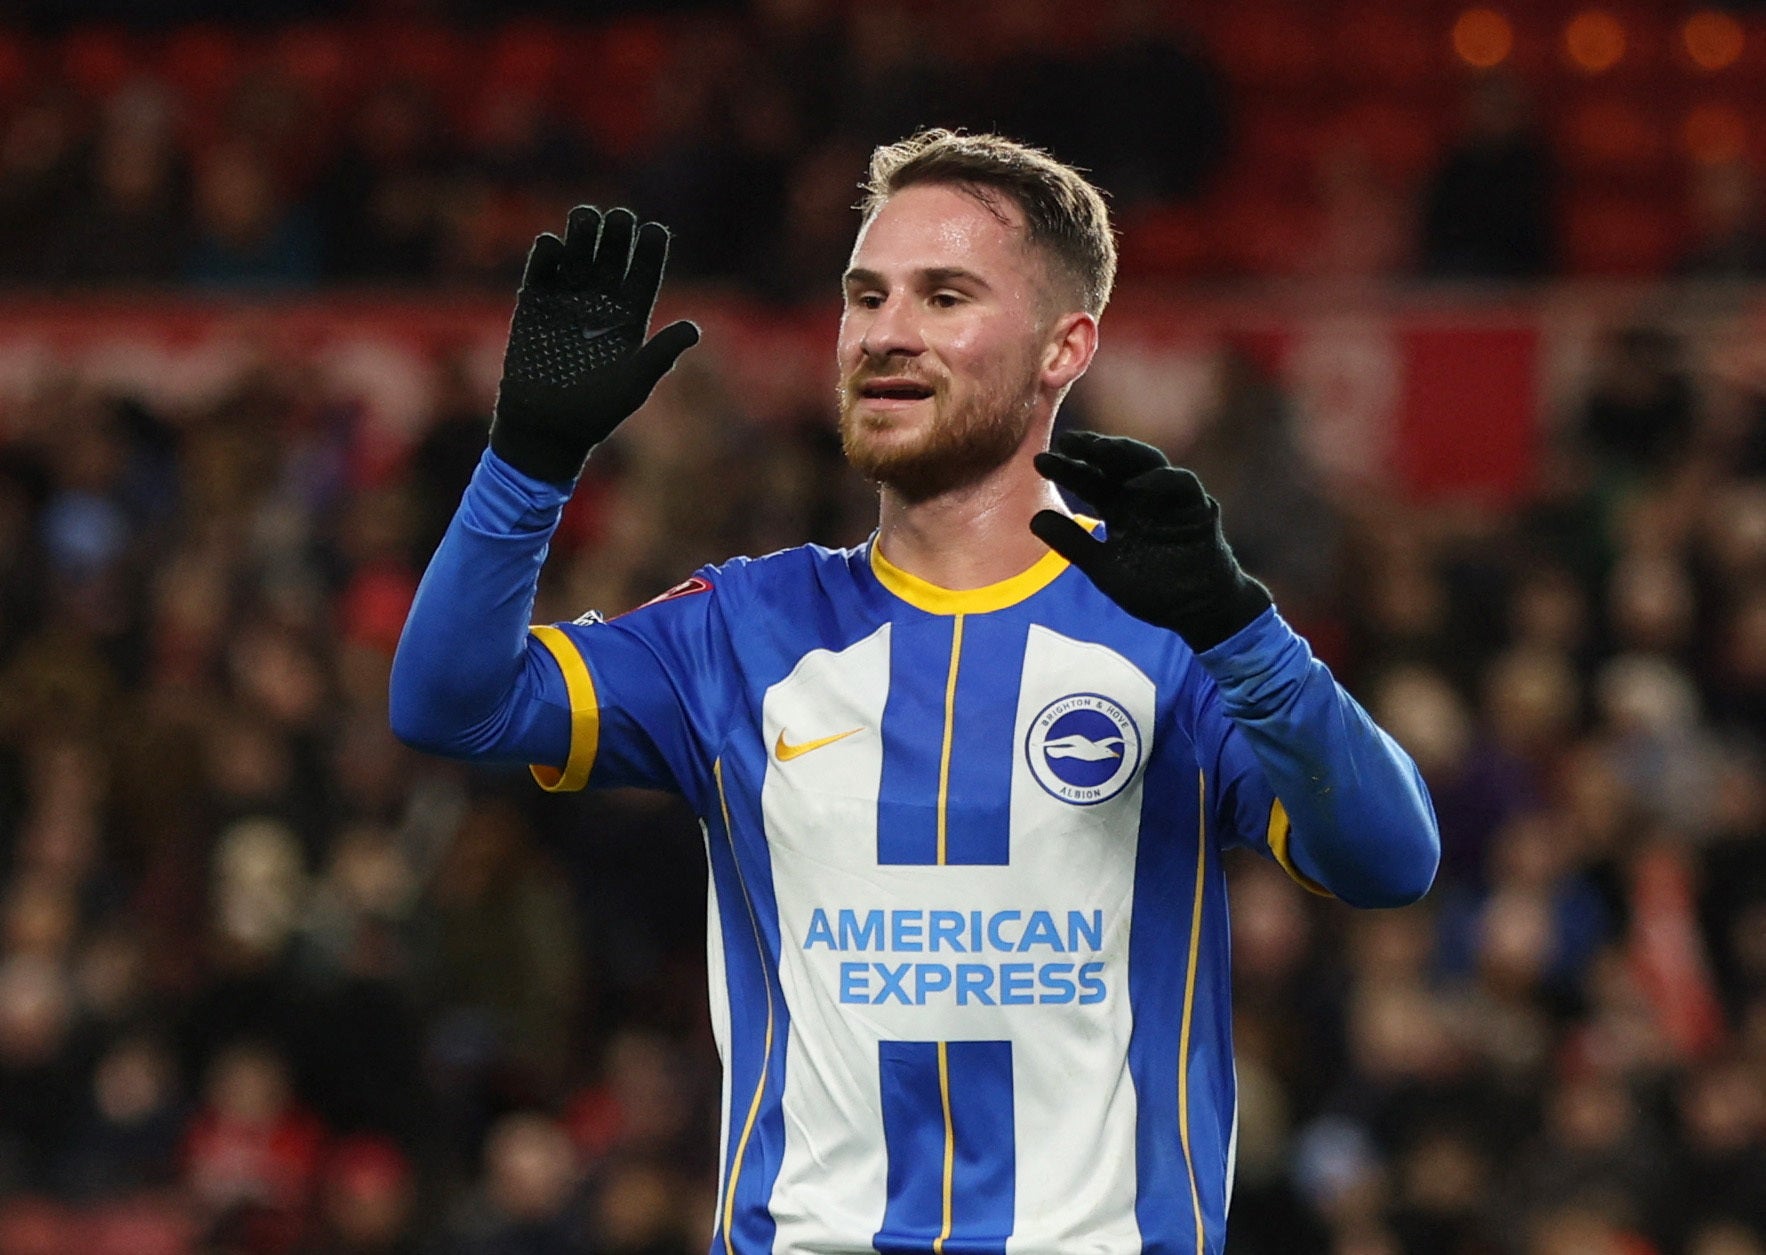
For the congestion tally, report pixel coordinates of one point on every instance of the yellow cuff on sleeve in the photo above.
(585, 716)
(1278, 845)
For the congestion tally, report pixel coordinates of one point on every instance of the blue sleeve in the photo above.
(650, 689)
(469, 679)
(1305, 775)
(623, 702)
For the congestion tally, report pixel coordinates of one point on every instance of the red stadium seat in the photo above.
(1402, 141)
(35, 1226)
(203, 64)
(614, 82)
(1271, 46)
(1166, 242)
(527, 56)
(1260, 237)
(436, 58)
(97, 60)
(1060, 27)
(1537, 51)
(1615, 138)
(141, 1227)
(321, 60)
(1276, 147)
(1637, 39)
(1712, 45)
(1620, 237)
(1714, 132)
(16, 66)
(1381, 47)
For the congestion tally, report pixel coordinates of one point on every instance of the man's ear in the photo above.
(1072, 342)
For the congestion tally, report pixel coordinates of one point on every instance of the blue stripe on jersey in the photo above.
(741, 874)
(984, 1176)
(979, 816)
(913, 748)
(949, 1135)
(913, 1135)
(1158, 955)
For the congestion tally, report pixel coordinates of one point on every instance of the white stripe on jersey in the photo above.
(1070, 1081)
(820, 812)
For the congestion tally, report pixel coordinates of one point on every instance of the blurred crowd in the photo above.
(1562, 1051)
(270, 984)
(382, 144)
(290, 158)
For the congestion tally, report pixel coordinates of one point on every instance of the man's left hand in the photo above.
(1163, 558)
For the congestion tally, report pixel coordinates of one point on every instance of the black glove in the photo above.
(1163, 559)
(577, 364)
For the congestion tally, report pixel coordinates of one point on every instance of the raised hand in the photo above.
(1163, 558)
(577, 364)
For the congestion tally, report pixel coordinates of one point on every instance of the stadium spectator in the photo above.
(1487, 210)
(247, 233)
(530, 1200)
(367, 1201)
(129, 1132)
(1728, 238)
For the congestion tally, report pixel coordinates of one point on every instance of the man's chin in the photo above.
(918, 465)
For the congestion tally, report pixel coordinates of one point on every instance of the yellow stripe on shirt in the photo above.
(950, 724)
(585, 715)
(1279, 832)
(950, 1147)
(1189, 1007)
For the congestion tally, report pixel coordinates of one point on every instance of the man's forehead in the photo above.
(941, 224)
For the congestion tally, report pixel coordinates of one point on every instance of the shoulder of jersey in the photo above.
(784, 573)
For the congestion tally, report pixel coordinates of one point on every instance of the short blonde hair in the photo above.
(1065, 215)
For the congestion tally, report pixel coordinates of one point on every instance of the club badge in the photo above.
(1083, 748)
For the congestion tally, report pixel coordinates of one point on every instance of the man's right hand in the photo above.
(577, 364)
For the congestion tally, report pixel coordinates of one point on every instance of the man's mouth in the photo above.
(901, 391)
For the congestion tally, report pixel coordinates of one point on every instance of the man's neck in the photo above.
(972, 536)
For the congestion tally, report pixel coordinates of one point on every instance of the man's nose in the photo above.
(893, 330)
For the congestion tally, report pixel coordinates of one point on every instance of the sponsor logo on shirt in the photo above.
(1083, 748)
(1007, 958)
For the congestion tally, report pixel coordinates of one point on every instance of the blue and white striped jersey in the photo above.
(968, 924)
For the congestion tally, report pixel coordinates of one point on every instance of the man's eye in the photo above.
(868, 300)
(945, 300)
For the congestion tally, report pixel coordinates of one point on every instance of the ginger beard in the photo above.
(965, 439)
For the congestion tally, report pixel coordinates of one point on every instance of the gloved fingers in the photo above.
(656, 357)
(1175, 492)
(1082, 479)
(614, 253)
(1067, 538)
(583, 228)
(542, 261)
(580, 237)
(1118, 457)
(644, 280)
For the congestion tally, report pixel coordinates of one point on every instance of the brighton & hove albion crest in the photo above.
(1083, 748)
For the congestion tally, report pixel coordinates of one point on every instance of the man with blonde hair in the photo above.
(964, 787)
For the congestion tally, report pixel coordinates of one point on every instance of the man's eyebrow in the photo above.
(939, 276)
(934, 276)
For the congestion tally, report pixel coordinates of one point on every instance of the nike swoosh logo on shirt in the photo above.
(785, 752)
